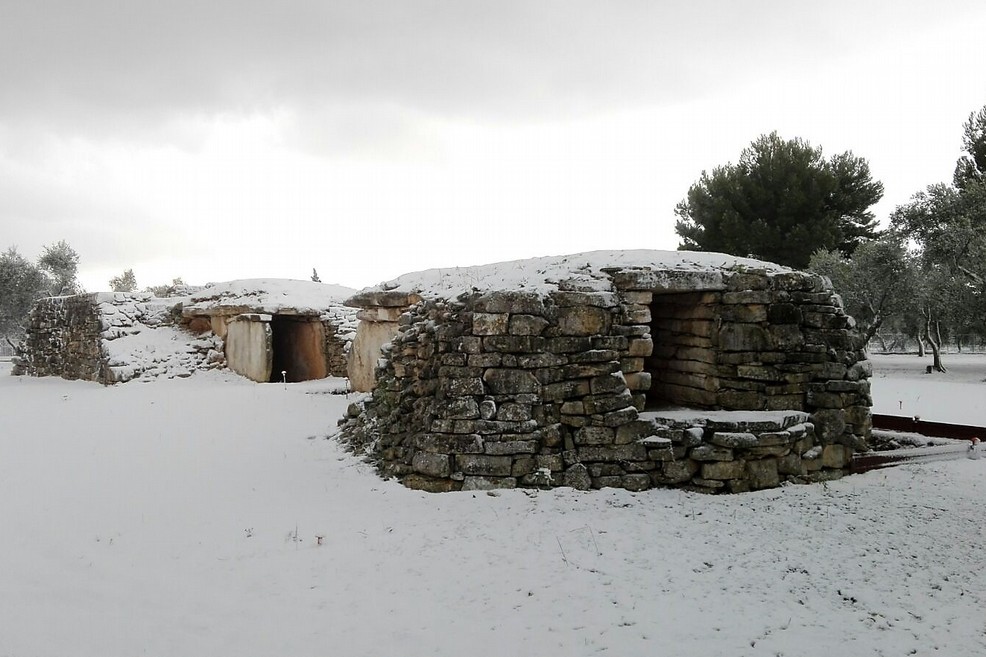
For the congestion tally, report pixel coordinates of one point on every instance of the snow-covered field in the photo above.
(208, 516)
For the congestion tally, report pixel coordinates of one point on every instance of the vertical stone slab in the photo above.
(248, 347)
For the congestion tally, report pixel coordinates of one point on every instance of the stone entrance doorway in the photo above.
(261, 347)
(297, 348)
(683, 363)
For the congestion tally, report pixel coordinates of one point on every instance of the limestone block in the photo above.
(513, 412)
(428, 484)
(595, 436)
(641, 347)
(829, 423)
(618, 453)
(433, 465)
(568, 345)
(488, 483)
(461, 408)
(678, 472)
(490, 323)
(762, 473)
(723, 470)
(523, 466)
(527, 303)
(449, 444)
(616, 418)
(365, 351)
(503, 447)
(711, 453)
(583, 320)
(380, 314)
(785, 337)
(510, 381)
(752, 313)
(784, 313)
(553, 462)
(461, 387)
(638, 381)
(836, 456)
(608, 384)
(248, 349)
(733, 439)
(577, 477)
(742, 337)
(482, 464)
(567, 298)
(513, 344)
(527, 325)
(790, 465)
(635, 482)
(861, 370)
(636, 314)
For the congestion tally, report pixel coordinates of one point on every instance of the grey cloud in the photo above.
(121, 63)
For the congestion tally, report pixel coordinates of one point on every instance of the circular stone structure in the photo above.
(571, 370)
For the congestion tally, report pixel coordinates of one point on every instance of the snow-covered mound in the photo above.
(544, 274)
(267, 295)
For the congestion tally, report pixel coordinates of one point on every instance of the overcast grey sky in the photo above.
(226, 139)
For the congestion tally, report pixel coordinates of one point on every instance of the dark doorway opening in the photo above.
(297, 344)
(683, 363)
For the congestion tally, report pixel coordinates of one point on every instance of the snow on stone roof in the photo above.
(585, 271)
(267, 295)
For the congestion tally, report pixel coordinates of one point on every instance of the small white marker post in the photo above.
(284, 378)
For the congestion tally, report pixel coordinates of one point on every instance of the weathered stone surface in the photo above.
(481, 464)
(571, 375)
(742, 337)
(433, 465)
(449, 444)
(577, 477)
(365, 352)
(527, 303)
(618, 453)
(711, 453)
(249, 348)
(505, 381)
(583, 320)
(429, 484)
(511, 447)
(527, 325)
(635, 482)
(488, 483)
(829, 424)
(762, 473)
(733, 439)
(490, 323)
(723, 470)
(835, 456)
(595, 436)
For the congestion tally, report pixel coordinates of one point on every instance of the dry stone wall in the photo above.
(63, 339)
(112, 338)
(512, 388)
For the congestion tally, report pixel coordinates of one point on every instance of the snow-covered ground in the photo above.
(208, 516)
(902, 386)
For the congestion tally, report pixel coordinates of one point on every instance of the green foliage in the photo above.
(21, 284)
(947, 226)
(781, 202)
(874, 284)
(971, 167)
(61, 263)
(125, 282)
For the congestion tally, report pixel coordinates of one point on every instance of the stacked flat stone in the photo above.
(63, 339)
(515, 388)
